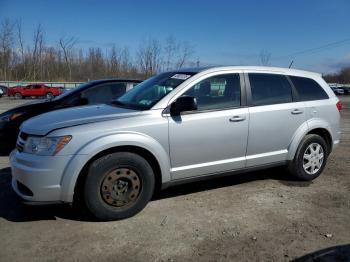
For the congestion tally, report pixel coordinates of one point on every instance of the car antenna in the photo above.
(291, 63)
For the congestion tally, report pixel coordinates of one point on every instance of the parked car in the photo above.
(173, 128)
(94, 92)
(36, 90)
(338, 91)
(1, 92)
(3, 89)
(346, 89)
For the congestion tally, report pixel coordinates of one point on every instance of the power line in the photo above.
(319, 48)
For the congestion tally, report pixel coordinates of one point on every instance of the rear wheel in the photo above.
(118, 186)
(18, 95)
(310, 158)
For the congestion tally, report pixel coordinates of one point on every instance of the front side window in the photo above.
(308, 89)
(269, 89)
(148, 93)
(217, 92)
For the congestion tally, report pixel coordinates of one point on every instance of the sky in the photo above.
(315, 34)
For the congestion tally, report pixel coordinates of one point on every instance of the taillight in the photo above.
(339, 105)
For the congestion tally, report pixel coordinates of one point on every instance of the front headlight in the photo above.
(11, 116)
(45, 146)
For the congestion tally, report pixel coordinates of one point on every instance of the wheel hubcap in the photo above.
(313, 158)
(120, 187)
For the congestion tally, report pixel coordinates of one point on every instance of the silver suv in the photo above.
(173, 128)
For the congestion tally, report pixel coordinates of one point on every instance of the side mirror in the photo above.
(183, 103)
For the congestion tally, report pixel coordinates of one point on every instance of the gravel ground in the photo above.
(257, 216)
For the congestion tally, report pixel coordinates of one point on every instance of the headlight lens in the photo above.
(11, 117)
(45, 146)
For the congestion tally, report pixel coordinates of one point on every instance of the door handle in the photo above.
(237, 118)
(297, 112)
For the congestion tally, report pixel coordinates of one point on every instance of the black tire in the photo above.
(49, 96)
(296, 168)
(100, 170)
(18, 96)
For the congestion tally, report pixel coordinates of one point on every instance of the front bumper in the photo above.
(38, 178)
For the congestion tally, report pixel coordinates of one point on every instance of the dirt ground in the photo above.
(258, 216)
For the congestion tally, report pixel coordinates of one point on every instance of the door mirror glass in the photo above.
(182, 104)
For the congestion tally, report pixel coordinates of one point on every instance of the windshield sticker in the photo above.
(181, 76)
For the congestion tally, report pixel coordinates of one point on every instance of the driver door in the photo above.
(213, 138)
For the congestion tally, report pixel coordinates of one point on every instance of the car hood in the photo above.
(30, 107)
(45, 123)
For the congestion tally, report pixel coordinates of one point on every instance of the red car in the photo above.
(34, 90)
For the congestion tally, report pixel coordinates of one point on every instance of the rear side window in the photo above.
(308, 89)
(268, 89)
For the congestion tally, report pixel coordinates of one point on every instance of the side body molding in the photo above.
(100, 144)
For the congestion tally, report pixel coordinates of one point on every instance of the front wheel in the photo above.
(49, 96)
(310, 158)
(118, 185)
(18, 96)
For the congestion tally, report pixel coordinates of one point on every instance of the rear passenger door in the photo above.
(313, 95)
(275, 115)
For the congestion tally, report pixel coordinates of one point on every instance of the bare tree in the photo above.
(67, 44)
(38, 48)
(176, 53)
(149, 57)
(37, 60)
(265, 56)
(21, 46)
(184, 54)
(171, 48)
(6, 47)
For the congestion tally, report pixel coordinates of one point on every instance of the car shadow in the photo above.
(276, 173)
(12, 208)
(336, 253)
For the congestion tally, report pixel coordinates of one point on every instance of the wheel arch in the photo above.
(325, 134)
(316, 126)
(153, 152)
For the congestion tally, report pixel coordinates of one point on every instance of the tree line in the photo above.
(36, 60)
(341, 77)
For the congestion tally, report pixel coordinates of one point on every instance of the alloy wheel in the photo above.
(313, 158)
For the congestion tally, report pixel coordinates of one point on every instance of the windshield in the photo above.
(149, 92)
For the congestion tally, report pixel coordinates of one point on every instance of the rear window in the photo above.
(268, 89)
(308, 89)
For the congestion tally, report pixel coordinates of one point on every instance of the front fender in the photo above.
(302, 131)
(88, 151)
